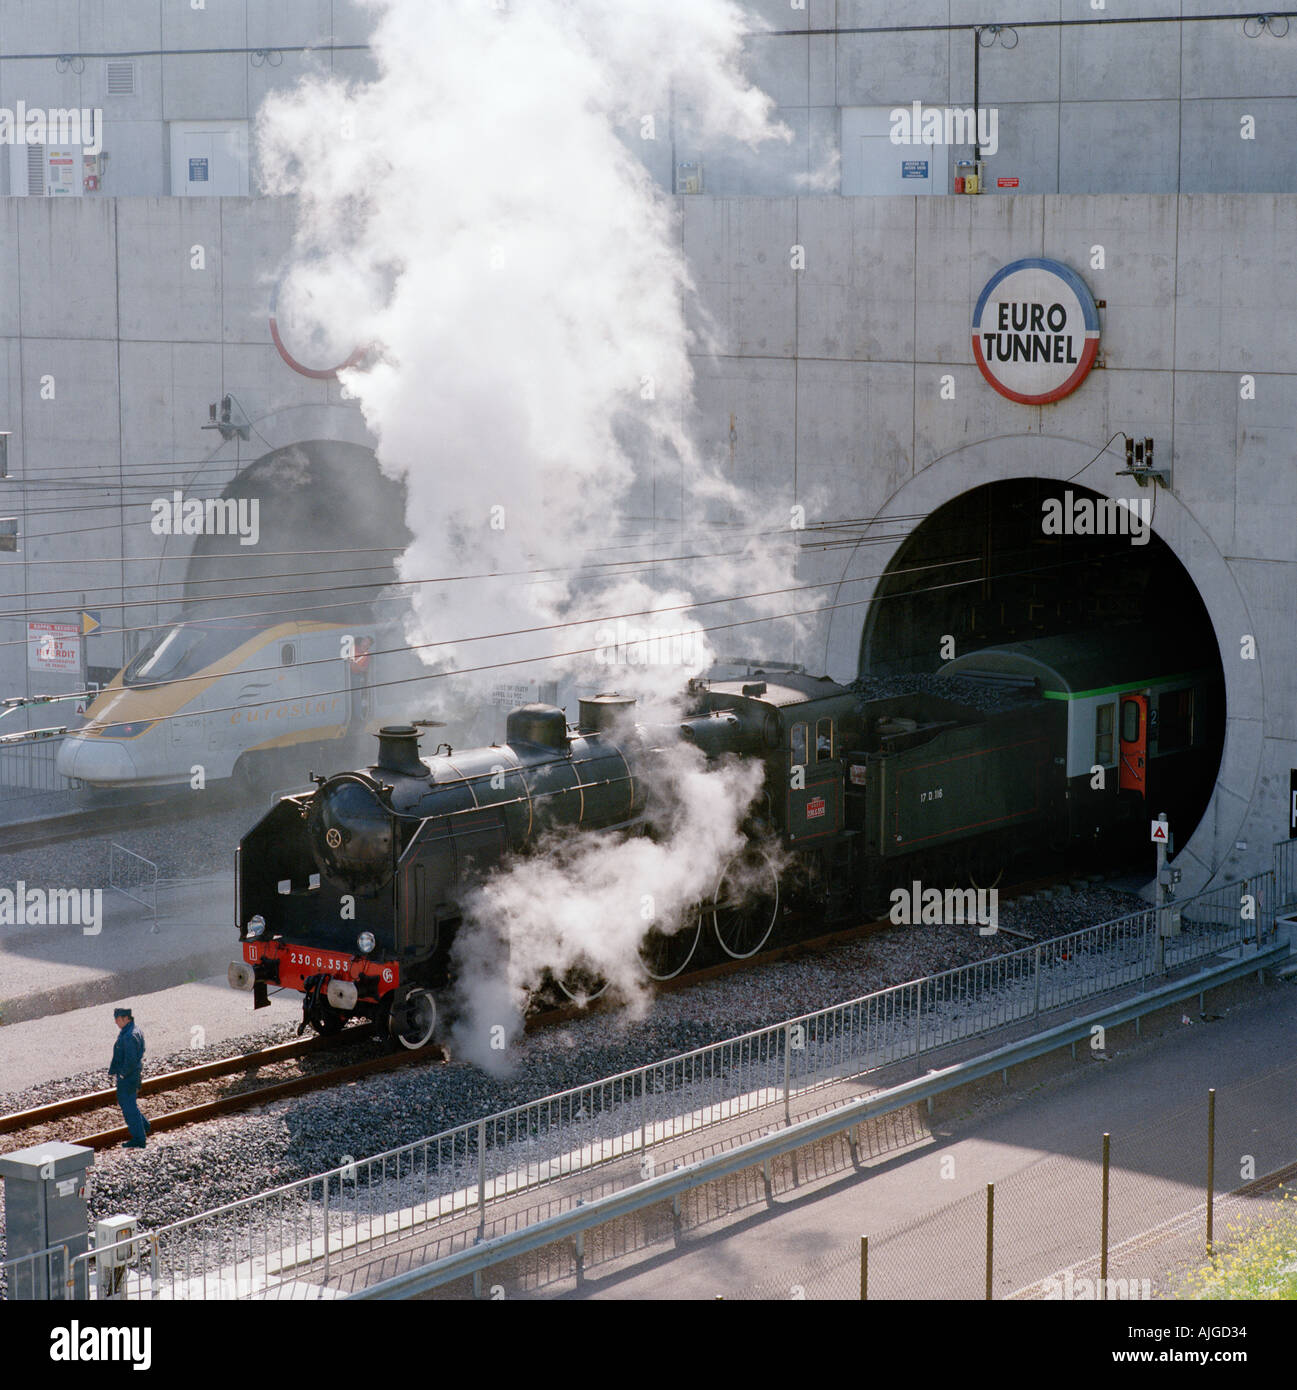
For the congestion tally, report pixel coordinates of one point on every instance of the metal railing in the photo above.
(271, 1243)
(775, 1143)
(46, 1274)
(1285, 874)
(29, 767)
(134, 877)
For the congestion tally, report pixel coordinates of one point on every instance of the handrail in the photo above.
(757, 1151)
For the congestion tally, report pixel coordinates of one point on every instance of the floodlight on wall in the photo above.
(1256, 25)
(1139, 464)
(221, 416)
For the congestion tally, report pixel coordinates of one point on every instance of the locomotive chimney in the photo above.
(398, 750)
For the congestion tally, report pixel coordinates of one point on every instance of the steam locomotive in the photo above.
(352, 894)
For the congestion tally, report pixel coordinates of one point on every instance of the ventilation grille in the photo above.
(36, 171)
(121, 79)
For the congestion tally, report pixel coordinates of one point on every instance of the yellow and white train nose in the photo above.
(103, 762)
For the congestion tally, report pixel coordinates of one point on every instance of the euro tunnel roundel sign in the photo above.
(1035, 331)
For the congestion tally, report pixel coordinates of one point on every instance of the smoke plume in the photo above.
(482, 219)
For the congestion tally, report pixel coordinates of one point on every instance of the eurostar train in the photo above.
(240, 698)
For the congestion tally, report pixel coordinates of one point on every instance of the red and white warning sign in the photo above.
(1161, 833)
(815, 808)
(54, 647)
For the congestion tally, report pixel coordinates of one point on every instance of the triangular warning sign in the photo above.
(1161, 835)
(89, 624)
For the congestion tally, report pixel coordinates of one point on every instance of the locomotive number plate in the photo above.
(815, 808)
(318, 960)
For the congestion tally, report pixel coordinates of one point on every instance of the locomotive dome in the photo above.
(542, 724)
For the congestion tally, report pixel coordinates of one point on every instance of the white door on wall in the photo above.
(871, 163)
(209, 159)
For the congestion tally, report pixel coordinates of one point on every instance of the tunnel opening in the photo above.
(312, 524)
(1080, 595)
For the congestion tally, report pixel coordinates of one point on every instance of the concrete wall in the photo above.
(1138, 108)
(1142, 108)
(112, 347)
(167, 87)
(834, 376)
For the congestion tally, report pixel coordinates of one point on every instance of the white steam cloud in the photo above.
(586, 903)
(482, 218)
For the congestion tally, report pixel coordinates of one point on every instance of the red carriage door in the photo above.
(1134, 744)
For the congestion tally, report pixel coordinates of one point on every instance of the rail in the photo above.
(267, 1245)
(128, 872)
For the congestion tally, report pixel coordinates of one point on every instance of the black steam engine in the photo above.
(351, 894)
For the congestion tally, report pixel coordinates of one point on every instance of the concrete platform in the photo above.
(175, 1020)
(50, 970)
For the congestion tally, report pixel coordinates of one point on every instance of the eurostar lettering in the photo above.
(77, 1343)
(293, 711)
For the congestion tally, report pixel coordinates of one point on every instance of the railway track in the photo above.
(34, 1124)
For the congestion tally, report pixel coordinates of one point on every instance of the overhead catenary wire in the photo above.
(640, 562)
(559, 656)
(541, 627)
(818, 609)
(261, 50)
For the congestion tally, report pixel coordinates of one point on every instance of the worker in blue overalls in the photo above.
(127, 1066)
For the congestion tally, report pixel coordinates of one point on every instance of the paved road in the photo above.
(1042, 1152)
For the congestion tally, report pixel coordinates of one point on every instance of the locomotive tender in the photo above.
(351, 894)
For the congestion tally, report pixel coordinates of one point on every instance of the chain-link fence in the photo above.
(1037, 1230)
